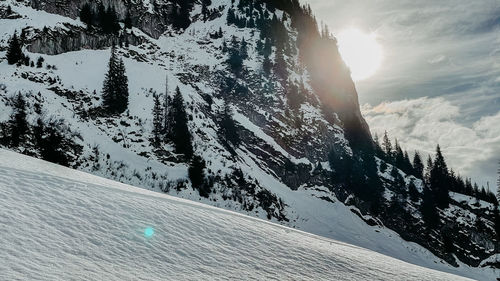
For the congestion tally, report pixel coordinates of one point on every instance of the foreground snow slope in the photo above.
(61, 224)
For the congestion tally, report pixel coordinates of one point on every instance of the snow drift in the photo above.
(61, 224)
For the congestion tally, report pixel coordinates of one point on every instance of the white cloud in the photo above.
(431, 48)
(420, 124)
(443, 58)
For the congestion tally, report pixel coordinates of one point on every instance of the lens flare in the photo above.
(361, 52)
(149, 232)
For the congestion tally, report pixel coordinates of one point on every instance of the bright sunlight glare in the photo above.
(361, 52)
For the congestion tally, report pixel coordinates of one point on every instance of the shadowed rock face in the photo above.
(152, 22)
(58, 41)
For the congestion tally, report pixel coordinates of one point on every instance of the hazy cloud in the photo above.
(447, 51)
(420, 124)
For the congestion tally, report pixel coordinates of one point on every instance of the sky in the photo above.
(439, 81)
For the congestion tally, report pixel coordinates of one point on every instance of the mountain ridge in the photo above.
(285, 140)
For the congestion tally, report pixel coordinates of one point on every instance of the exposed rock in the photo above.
(154, 23)
(73, 38)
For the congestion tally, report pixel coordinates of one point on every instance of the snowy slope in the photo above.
(132, 159)
(61, 224)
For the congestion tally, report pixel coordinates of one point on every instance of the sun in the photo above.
(361, 52)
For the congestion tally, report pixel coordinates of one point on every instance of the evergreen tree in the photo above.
(408, 167)
(496, 218)
(243, 49)
(268, 49)
(294, 98)
(128, 21)
(14, 51)
(428, 208)
(341, 163)
(379, 152)
(18, 125)
(413, 192)
(267, 65)
(53, 148)
(86, 15)
(196, 173)
(204, 8)
(280, 66)
(498, 185)
(428, 169)
(418, 166)
(398, 155)
(228, 126)
(235, 60)
(115, 89)
(387, 146)
(181, 16)
(469, 190)
(180, 131)
(39, 62)
(439, 179)
(167, 116)
(123, 94)
(157, 120)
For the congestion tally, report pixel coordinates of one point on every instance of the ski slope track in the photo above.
(62, 224)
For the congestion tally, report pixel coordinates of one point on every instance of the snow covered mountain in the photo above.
(290, 102)
(61, 224)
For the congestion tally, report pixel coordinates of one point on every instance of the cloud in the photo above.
(446, 48)
(440, 78)
(420, 124)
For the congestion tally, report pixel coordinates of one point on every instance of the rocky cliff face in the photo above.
(152, 17)
(280, 171)
(73, 38)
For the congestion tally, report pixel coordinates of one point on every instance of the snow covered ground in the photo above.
(62, 224)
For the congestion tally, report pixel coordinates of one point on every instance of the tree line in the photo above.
(104, 18)
(49, 138)
(438, 179)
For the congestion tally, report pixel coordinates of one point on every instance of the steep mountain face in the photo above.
(268, 101)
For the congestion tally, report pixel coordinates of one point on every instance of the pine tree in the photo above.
(498, 186)
(418, 166)
(86, 15)
(413, 192)
(18, 125)
(157, 120)
(387, 146)
(228, 125)
(428, 208)
(181, 16)
(267, 65)
(378, 149)
(398, 156)
(235, 60)
(196, 174)
(408, 167)
(53, 146)
(123, 94)
(428, 169)
(14, 51)
(167, 116)
(204, 8)
(496, 218)
(268, 48)
(439, 179)
(39, 62)
(180, 131)
(128, 21)
(280, 66)
(115, 89)
(243, 49)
